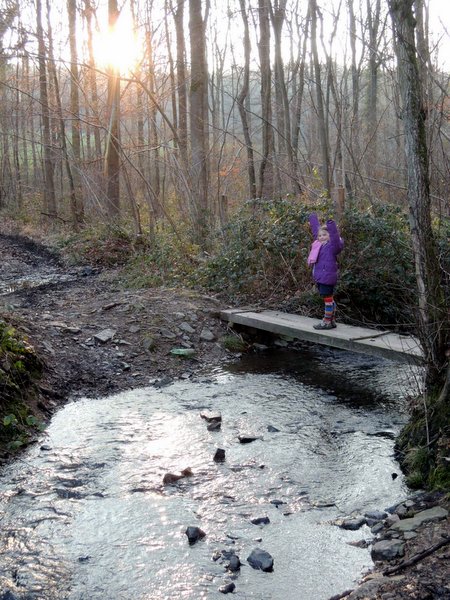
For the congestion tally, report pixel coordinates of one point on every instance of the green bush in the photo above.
(165, 260)
(262, 250)
(377, 281)
(102, 245)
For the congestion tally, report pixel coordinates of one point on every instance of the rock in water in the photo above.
(247, 438)
(219, 456)
(260, 521)
(234, 564)
(227, 588)
(170, 478)
(260, 559)
(214, 426)
(211, 416)
(194, 534)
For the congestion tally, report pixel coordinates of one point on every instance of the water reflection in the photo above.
(352, 378)
(17, 284)
(90, 518)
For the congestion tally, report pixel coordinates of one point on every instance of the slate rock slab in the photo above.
(388, 550)
(436, 513)
(106, 335)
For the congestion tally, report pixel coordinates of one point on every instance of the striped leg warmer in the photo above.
(330, 307)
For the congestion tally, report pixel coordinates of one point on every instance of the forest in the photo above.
(177, 112)
(190, 139)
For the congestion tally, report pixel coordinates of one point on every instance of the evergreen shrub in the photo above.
(261, 251)
(165, 259)
(377, 281)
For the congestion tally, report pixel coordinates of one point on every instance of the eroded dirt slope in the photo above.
(95, 337)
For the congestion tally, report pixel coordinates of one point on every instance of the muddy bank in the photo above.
(95, 337)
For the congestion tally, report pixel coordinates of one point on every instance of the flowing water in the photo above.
(84, 513)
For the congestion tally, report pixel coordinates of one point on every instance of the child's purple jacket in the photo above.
(326, 268)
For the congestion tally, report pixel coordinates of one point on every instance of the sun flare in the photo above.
(118, 48)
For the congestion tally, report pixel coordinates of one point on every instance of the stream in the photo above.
(85, 515)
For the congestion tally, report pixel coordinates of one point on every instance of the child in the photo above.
(323, 258)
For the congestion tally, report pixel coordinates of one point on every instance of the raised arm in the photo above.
(337, 243)
(314, 223)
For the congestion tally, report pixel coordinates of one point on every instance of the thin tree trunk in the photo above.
(76, 203)
(266, 183)
(241, 100)
(323, 134)
(94, 102)
(112, 158)
(178, 16)
(199, 120)
(299, 90)
(16, 147)
(173, 87)
(62, 128)
(432, 313)
(355, 142)
(49, 184)
(373, 17)
(153, 131)
(25, 123)
(278, 15)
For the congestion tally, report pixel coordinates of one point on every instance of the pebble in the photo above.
(227, 588)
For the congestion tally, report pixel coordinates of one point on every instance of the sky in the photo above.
(440, 28)
(124, 52)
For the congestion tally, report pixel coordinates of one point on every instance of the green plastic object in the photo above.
(183, 351)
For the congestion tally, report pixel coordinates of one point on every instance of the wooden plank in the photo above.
(347, 337)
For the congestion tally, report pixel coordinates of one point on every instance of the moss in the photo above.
(20, 368)
(234, 343)
(423, 446)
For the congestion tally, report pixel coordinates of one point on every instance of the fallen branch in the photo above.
(52, 216)
(369, 337)
(419, 556)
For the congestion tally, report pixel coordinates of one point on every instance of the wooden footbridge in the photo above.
(347, 337)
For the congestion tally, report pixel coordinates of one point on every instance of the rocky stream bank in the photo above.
(94, 338)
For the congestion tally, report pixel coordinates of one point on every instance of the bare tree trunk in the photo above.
(89, 11)
(16, 148)
(241, 104)
(25, 123)
(49, 185)
(354, 142)
(199, 120)
(76, 203)
(373, 18)
(112, 157)
(278, 15)
(155, 181)
(172, 78)
(178, 16)
(266, 170)
(323, 133)
(432, 313)
(422, 43)
(301, 59)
